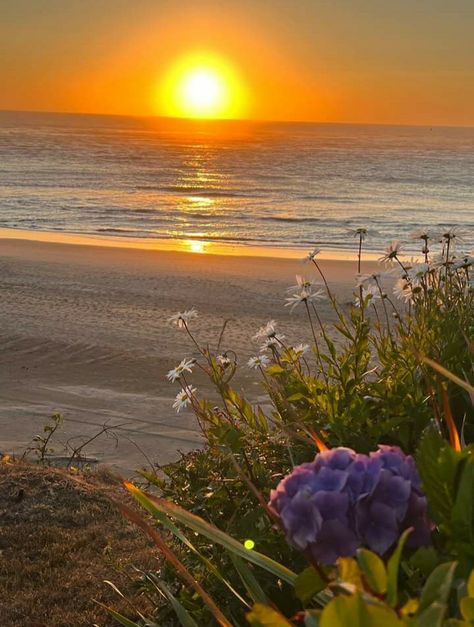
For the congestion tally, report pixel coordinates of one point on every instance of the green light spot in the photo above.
(249, 544)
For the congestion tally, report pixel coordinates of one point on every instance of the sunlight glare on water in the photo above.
(266, 184)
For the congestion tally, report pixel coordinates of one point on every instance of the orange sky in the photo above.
(375, 61)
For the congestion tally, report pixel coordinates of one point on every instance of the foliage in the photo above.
(376, 376)
(41, 443)
(47, 451)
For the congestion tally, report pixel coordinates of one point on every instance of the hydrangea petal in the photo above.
(301, 520)
(334, 539)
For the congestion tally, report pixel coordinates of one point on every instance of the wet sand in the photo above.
(84, 330)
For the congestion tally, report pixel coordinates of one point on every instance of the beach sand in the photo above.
(84, 331)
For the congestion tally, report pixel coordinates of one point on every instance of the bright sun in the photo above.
(202, 86)
(203, 91)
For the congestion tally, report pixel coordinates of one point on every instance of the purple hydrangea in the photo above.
(343, 500)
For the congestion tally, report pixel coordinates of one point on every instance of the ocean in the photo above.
(290, 185)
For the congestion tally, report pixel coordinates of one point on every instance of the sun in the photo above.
(202, 86)
(203, 91)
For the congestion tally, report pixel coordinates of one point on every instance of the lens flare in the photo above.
(202, 86)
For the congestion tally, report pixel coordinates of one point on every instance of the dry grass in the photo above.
(60, 538)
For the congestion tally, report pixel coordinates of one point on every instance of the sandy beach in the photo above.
(84, 331)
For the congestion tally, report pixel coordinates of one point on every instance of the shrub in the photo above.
(392, 370)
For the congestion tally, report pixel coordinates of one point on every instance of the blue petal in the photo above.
(329, 479)
(334, 540)
(301, 520)
(378, 527)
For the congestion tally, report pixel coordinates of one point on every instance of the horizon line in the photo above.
(246, 120)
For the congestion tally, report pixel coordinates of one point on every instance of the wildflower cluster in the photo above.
(415, 280)
(364, 379)
(269, 336)
(185, 396)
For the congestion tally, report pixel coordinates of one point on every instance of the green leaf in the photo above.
(123, 620)
(249, 580)
(392, 569)
(373, 570)
(275, 369)
(168, 524)
(156, 505)
(436, 462)
(350, 611)
(462, 518)
(425, 559)
(265, 616)
(344, 332)
(432, 617)
(229, 436)
(296, 397)
(349, 572)
(470, 584)
(437, 586)
(466, 605)
(185, 618)
(308, 583)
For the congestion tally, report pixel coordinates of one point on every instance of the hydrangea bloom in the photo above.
(343, 500)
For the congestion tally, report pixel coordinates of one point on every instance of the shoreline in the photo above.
(197, 246)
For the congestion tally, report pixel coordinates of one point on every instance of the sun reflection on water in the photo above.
(195, 202)
(195, 246)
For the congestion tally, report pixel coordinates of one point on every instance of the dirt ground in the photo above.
(60, 538)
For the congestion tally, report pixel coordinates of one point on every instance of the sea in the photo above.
(286, 185)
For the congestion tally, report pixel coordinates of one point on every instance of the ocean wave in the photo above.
(336, 199)
(118, 230)
(195, 191)
(295, 220)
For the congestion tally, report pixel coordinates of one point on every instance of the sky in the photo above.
(361, 61)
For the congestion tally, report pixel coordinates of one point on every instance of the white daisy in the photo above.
(371, 291)
(363, 279)
(261, 361)
(310, 256)
(403, 290)
(301, 283)
(391, 252)
(424, 234)
(275, 341)
(361, 232)
(439, 261)
(417, 272)
(304, 296)
(186, 365)
(464, 261)
(268, 330)
(301, 349)
(452, 235)
(183, 398)
(180, 320)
